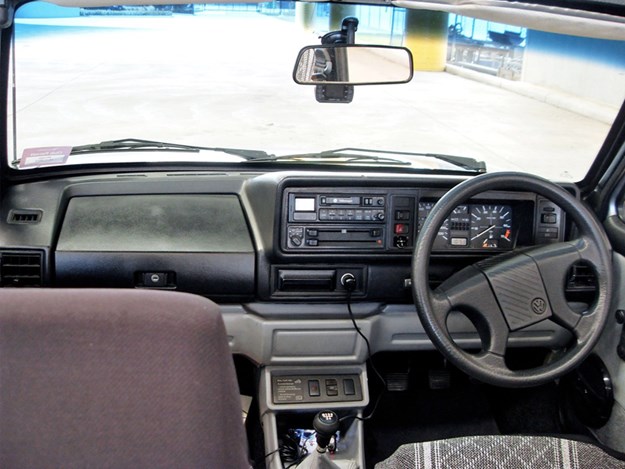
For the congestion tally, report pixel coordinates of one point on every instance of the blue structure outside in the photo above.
(45, 10)
(596, 50)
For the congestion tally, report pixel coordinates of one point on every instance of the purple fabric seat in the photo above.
(116, 378)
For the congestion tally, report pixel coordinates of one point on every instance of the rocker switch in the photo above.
(332, 388)
(348, 387)
(313, 388)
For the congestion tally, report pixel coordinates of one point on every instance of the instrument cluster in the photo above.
(473, 226)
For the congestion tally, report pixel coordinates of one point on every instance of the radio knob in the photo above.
(380, 216)
(296, 240)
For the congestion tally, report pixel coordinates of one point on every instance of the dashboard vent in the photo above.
(581, 278)
(581, 286)
(24, 217)
(21, 269)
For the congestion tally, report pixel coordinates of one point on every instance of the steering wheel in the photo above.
(514, 290)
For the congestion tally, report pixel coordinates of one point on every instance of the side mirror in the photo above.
(353, 64)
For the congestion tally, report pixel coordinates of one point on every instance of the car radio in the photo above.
(333, 220)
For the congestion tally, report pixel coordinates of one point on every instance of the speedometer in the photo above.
(491, 226)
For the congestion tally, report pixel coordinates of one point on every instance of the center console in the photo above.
(290, 397)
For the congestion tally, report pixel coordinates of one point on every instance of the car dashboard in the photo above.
(265, 246)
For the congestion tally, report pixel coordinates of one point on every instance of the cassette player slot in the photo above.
(349, 235)
(338, 237)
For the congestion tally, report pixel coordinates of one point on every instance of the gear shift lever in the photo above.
(326, 424)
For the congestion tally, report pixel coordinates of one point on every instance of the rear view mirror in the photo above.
(353, 64)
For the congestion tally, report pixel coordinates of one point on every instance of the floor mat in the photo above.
(424, 415)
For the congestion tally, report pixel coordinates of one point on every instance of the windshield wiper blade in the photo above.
(465, 162)
(333, 155)
(351, 155)
(135, 144)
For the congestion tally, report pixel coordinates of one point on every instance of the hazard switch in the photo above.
(401, 228)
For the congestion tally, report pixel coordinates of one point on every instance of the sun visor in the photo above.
(539, 17)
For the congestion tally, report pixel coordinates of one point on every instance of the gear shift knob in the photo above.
(326, 424)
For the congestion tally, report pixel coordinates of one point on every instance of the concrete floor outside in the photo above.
(224, 80)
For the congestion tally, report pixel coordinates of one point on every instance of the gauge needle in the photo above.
(485, 231)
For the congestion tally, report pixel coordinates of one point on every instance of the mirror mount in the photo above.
(338, 93)
(346, 35)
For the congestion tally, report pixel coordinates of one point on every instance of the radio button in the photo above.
(312, 242)
(312, 232)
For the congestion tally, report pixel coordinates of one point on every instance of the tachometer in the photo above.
(424, 210)
(491, 226)
(454, 231)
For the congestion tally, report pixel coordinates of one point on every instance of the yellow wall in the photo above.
(426, 37)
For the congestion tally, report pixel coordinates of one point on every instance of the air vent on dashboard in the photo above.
(581, 278)
(25, 216)
(581, 284)
(21, 269)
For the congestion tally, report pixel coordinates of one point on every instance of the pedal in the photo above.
(397, 382)
(439, 379)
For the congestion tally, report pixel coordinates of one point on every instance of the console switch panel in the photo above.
(293, 389)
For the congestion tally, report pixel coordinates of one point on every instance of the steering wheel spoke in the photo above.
(492, 361)
(440, 306)
(470, 293)
(554, 263)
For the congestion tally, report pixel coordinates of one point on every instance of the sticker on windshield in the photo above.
(44, 156)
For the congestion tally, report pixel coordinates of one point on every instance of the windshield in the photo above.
(220, 77)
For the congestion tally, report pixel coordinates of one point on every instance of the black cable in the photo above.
(369, 358)
(262, 463)
(291, 449)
